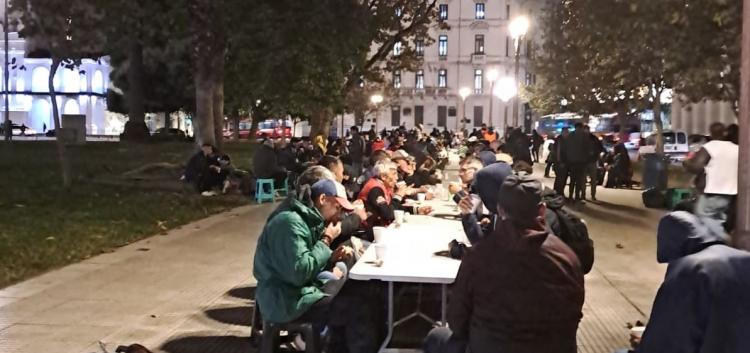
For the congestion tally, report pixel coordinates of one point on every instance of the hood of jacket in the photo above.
(488, 181)
(681, 234)
(304, 208)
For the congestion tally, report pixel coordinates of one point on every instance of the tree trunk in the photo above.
(254, 120)
(359, 117)
(658, 124)
(61, 153)
(167, 120)
(218, 100)
(236, 125)
(320, 123)
(135, 128)
(203, 120)
(622, 119)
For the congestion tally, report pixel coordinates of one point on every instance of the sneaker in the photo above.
(298, 344)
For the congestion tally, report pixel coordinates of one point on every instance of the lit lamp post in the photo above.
(518, 28)
(464, 92)
(505, 90)
(376, 99)
(492, 77)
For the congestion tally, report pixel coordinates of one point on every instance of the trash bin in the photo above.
(655, 172)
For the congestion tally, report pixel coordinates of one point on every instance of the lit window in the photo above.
(443, 45)
(479, 44)
(479, 11)
(443, 12)
(478, 81)
(397, 49)
(443, 78)
(397, 79)
(419, 79)
(398, 12)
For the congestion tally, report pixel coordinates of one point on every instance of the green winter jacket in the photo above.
(288, 258)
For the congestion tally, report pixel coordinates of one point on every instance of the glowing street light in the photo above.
(464, 92)
(506, 88)
(376, 99)
(518, 27)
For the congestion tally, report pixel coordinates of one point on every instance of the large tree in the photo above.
(67, 31)
(627, 54)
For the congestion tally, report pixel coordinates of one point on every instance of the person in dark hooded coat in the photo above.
(486, 183)
(703, 306)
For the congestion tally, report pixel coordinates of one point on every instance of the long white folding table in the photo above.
(410, 257)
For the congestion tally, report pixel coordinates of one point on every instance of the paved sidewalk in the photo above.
(190, 291)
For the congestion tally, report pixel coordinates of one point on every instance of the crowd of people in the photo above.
(520, 287)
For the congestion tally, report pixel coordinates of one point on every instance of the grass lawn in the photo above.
(43, 226)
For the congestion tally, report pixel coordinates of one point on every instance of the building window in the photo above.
(397, 49)
(419, 47)
(419, 80)
(478, 81)
(507, 46)
(418, 114)
(397, 79)
(398, 12)
(507, 12)
(442, 78)
(479, 44)
(443, 45)
(443, 12)
(479, 11)
(478, 114)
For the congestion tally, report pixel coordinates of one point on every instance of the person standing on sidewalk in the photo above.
(578, 153)
(592, 168)
(357, 147)
(562, 168)
(719, 159)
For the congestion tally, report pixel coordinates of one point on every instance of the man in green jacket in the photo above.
(293, 249)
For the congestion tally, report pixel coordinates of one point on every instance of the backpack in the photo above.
(573, 232)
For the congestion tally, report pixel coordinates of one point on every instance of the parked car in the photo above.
(273, 129)
(169, 134)
(676, 146)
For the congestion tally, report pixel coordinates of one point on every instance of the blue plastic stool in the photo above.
(285, 188)
(261, 185)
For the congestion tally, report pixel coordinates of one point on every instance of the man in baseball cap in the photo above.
(331, 190)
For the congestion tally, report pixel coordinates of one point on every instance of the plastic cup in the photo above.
(380, 251)
(399, 215)
(378, 233)
(421, 197)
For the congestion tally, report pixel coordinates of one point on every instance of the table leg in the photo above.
(390, 319)
(444, 304)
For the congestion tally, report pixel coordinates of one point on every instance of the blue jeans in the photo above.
(441, 340)
(712, 210)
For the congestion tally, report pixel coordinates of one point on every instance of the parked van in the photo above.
(676, 145)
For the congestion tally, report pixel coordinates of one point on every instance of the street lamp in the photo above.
(376, 99)
(506, 89)
(492, 77)
(518, 28)
(464, 92)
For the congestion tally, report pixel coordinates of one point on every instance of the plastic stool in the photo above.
(271, 334)
(675, 196)
(260, 190)
(285, 188)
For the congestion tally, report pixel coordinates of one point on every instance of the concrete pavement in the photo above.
(190, 291)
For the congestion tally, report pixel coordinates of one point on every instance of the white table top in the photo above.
(410, 252)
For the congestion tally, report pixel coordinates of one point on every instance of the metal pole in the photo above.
(492, 101)
(463, 116)
(517, 98)
(742, 231)
(8, 129)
